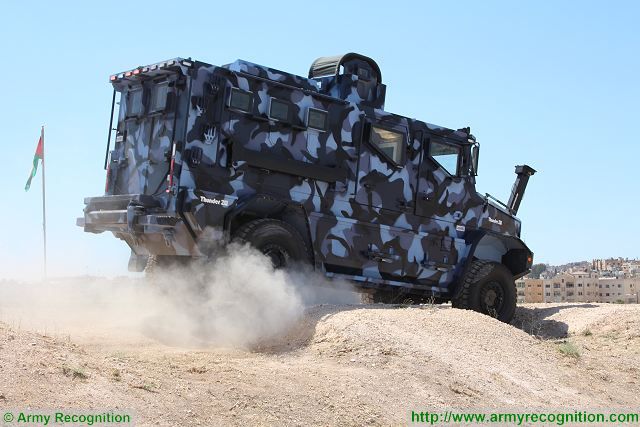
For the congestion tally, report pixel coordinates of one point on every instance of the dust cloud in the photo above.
(235, 299)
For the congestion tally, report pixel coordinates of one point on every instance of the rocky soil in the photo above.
(337, 364)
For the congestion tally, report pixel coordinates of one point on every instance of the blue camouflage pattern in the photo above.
(191, 162)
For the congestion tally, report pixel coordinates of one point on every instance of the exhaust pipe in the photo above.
(523, 172)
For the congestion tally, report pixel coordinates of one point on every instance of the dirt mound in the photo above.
(563, 320)
(339, 364)
(481, 358)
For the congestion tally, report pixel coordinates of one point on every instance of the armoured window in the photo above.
(159, 97)
(317, 119)
(364, 74)
(388, 142)
(240, 100)
(446, 155)
(279, 110)
(134, 102)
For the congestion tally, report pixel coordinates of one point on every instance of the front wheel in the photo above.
(488, 288)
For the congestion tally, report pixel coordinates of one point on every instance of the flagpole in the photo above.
(44, 209)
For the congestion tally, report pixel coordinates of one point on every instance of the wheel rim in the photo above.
(278, 255)
(492, 298)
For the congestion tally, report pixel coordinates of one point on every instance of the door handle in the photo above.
(457, 215)
(434, 265)
(380, 256)
(120, 161)
(402, 203)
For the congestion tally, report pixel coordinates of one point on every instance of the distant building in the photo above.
(530, 290)
(615, 267)
(534, 291)
(586, 286)
(618, 290)
(608, 285)
(520, 287)
(560, 288)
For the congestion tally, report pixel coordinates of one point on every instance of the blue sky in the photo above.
(552, 84)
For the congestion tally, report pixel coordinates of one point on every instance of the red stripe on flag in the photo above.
(40, 148)
(39, 156)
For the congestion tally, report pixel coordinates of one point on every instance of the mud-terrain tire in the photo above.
(386, 297)
(158, 263)
(277, 240)
(488, 288)
(376, 297)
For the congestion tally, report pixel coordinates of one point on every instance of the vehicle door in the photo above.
(141, 158)
(441, 188)
(440, 200)
(387, 174)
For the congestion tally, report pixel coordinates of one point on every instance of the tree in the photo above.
(537, 270)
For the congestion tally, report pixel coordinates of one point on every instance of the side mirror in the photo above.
(475, 155)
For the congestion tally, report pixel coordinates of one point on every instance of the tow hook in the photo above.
(133, 211)
(168, 237)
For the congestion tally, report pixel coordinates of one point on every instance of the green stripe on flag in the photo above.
(36, 157)
(34, 169)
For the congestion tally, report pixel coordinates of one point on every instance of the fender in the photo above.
(510, 251)
(264, 205)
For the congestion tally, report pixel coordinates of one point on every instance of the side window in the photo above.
(446, 155)
(134, 102)
(279, 110)
(390, 143)
(317, 119)
(159, 94)
(240, 100)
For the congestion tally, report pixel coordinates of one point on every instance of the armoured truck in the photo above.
(307, 170)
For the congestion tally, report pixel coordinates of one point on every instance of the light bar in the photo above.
(154, 67)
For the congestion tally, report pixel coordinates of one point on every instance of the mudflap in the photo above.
(137, 263)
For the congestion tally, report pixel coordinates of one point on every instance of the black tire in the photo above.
(277, 240)
(366, 298)
(377, 297)
(488, 288)
(158, 263)
(387, 297)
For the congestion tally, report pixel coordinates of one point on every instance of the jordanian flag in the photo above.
(36, 158)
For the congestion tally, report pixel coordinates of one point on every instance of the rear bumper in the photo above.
(140, 220)
(150, 228)
(131, 214)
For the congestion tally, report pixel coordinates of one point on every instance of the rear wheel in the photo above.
(158, 263)
(277, 240)
(380, 297)
(395, 297)
(489, 288)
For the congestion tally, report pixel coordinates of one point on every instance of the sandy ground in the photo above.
(336, 364)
